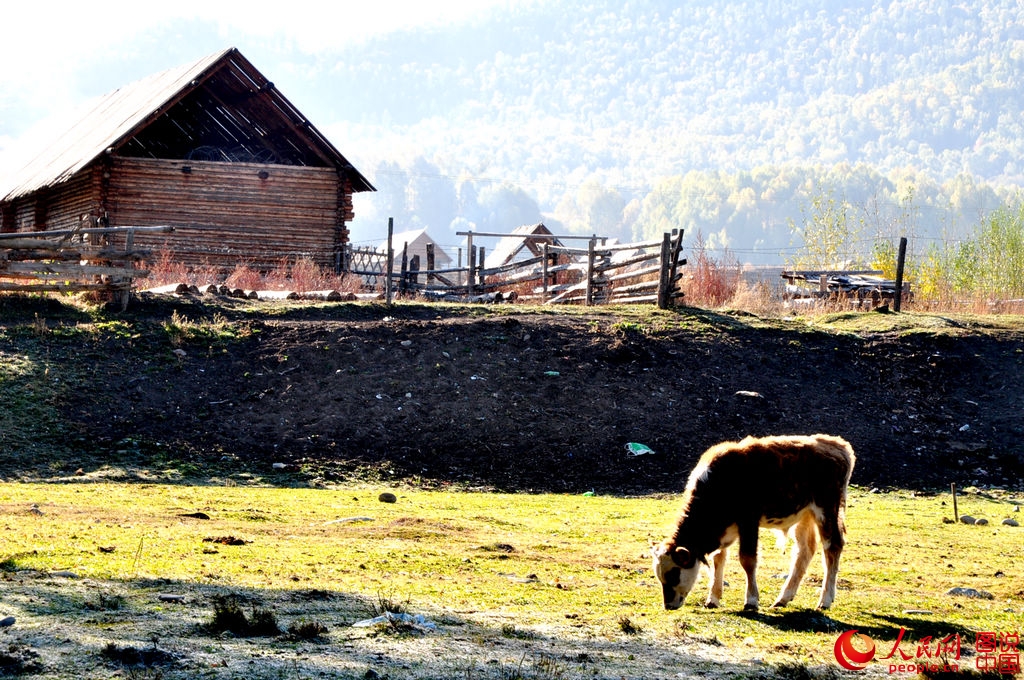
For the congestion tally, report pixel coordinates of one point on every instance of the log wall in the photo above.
(227, 214)
(58, 208)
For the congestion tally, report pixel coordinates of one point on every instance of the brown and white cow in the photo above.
(790, 483)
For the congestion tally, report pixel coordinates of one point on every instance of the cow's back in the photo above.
(775, 476)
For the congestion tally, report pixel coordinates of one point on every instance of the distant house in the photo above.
(527, 241)
(414, 242)
(212, 149)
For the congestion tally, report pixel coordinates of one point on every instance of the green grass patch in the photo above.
(531, 565)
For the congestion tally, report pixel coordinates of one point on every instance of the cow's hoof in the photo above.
(750, 607)
(710, 605)
(780, 604)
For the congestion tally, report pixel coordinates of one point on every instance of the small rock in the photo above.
(170, 597)
(748, 393)
(387, 497)
(970, 592)
(981, 521)
(1011, 522)
(180, 353)
(7, 622)
(406, 343)
(967, 519)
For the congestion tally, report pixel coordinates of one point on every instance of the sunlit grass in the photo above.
(572, 565)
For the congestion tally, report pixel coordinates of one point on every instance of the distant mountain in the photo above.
(598, 101)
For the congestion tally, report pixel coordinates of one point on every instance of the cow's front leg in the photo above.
(717, 576)
(748, 560)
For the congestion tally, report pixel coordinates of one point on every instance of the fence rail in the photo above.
(72, 260)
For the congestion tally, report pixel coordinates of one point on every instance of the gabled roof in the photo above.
(219, 108)
(509, 247)
(413, 237)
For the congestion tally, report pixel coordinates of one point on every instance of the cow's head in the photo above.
(677, 568)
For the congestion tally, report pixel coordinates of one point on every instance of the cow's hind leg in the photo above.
(717, 576)
(805, 535)
(832, 542)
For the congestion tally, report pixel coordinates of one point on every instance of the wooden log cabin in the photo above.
(212, 149)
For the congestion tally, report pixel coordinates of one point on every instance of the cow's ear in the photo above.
(684, 558)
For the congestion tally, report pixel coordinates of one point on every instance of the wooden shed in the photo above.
(212, 149)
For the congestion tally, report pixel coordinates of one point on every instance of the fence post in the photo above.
(544, 271)
(430, 263)
(389, 262)
(480, 267)
(590, 271)
(673, 275)
(414, 273)
(900, 260)
(663, 275)
(470, 263)
(403, 280)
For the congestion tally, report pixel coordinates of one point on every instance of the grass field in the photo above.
(529, 586)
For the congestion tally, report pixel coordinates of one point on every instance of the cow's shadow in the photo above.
(882, 627)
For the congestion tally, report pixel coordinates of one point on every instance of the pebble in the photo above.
(967, 519)
(6, 622)
(1011, 522)
(387, 497)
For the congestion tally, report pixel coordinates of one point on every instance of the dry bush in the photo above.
(245, 277)
(711, 282)
(165, 270)
(306, 276)
(278, 278)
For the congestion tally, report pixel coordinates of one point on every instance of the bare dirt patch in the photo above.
(524, 400)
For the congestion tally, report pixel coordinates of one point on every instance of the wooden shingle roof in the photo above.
(219, 108)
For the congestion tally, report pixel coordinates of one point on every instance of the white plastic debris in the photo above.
(418, 621)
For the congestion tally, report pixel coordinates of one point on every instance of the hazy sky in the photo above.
(55, 57)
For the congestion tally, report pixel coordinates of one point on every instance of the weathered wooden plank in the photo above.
(62, 287)
(41, 270)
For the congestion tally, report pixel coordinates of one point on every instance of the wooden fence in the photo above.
(644, 272)
(72, 260)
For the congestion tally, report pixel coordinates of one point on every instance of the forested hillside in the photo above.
(728, 118)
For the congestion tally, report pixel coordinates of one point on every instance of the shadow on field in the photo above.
(887, 627)
(88, 628)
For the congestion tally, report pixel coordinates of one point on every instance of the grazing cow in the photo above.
(796, 484)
